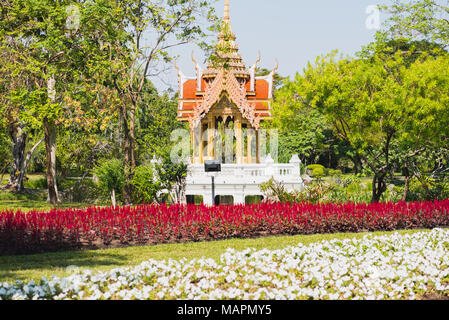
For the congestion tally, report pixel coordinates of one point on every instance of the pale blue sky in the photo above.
(293, 31)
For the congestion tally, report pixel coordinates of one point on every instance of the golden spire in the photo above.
(227, 52)
(227, 15)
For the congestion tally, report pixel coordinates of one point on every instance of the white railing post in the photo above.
(296, 162)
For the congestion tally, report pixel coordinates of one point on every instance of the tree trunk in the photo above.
(130, 160)
(379, 187)
(407, 181)
(379, 184)
(50, 150)
(357, 164)
(126, 158)
(132, 139)
(27, 160)
(50, 147)
(113, 198)
(19, 138)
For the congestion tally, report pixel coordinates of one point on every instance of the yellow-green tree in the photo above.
(376, 102)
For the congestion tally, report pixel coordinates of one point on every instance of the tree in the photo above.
(156, 118)
(172, 177)
(169, 24)
(62, 51)
(423, 27)
(304, 130)
(111, 178)
(373, 103)
(428, 131)
(14, 85)
(418, 20)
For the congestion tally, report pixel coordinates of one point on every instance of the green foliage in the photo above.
(156, 119)
(275, 191)
(5, 150)
(335, 173)
(302, 130)
(318, 191)
(316, 170)
(78, 151)
(428, 189)
(111, 177)
(341, 190)
(419, 19)
(353, 189)
(380, 102)
(172, 176)
(10, 196)
(145, 185)
(79, 191)
(72, 55)
(36, 184)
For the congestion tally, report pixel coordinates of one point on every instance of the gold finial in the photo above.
(194, 60)
(227, 15)
(260, 57)
(277, 66)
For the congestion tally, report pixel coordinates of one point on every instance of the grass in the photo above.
(34, 267)
(35, 201)
(26, 205)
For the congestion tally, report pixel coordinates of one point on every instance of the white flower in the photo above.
(384, 267)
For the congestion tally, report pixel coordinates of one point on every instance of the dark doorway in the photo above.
(253, 199)
(224, 200)
(192, 199)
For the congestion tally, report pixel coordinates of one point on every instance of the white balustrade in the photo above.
(241, 180)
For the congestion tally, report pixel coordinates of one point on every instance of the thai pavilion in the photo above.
(228, 97)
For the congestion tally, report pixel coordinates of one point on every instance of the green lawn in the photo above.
(28, 202)
(28, 205)
(36, 266)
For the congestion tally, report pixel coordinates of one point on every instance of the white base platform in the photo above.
(242, 180)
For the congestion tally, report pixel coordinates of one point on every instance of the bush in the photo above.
(36, 184)
(275, 191)
(85, 191)
(316, 170)
(335, 173)
(12, 196)
(428, 189)
(145, 186)
(111, 178)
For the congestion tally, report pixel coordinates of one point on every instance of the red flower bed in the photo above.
(34, 232)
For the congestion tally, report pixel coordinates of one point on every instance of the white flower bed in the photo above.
(383, 267)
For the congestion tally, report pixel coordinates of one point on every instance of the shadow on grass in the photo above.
(30, 205)
(14, 267)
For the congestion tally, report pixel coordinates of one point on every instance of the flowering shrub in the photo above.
(383, 267)
(153, 224)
